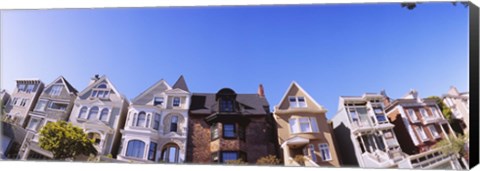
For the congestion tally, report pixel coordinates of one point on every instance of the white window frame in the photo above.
(296, 128)
(424, 113)
(29, 127)
(100, 114)
(55, 92)
(434, 130)
(43, 108)
(162, 101)
(421, 132)
(311, 150)
(434, 111)
(297, 103)
(179, 101)
(412, 114)
(49, 105)
(325, 147)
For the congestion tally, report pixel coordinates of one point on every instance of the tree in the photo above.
(65, 140)
(454, 145)
(268, 160)
(447, 113)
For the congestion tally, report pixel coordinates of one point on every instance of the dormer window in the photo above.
(157, 101)
(101, 92)
(103, 86)
(176, 101)
(297, 101)
(226, 105)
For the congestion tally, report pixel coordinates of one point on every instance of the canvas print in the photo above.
(379, 85)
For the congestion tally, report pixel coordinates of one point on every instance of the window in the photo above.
(424, 113)
(303, 125)
(152, 151)
(353, 114)
(215, 157)
(135, 148)
(311, 149)
(96, 137)
(214, 131)
(141, 119)
(226, 156)
(33, 124)
(176, 101)
(174, 124)
(103, 86)
(434, 131)
(55, 90)
(23, 102)
(83, 112)
(41, 104)
(388, 134)
(226, 105)
(229, 130)
(30, 88)
(21, 87)
(93, 113)
(156, 121)
(297, 101)
(421, 133)
(170, 154)
(14, 101)
(412, 114)
(434, 112)
(103, 94)
(57, 106)
(325, 152)
(104, 115)
(157, 101)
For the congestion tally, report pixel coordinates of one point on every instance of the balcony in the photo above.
(431, 119)
(426, 160)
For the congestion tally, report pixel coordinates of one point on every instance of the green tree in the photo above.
(268, 160)
(447, 113)
(65, 140)
(454, 146)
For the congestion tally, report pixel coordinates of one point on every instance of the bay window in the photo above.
(135, 148)
(303, 125)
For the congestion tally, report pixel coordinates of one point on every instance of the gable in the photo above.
(296, 90)
(155, 90)
(114, 94)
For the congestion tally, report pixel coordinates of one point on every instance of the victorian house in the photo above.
(22, 101)
(100, 110)
(419, 124)
(226, 126)
(364, 133)
(54, 104)
(156, 126)
(303, 130)
(459, 103)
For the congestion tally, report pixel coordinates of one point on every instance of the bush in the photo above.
(299, 159)
(268, 160)
(236, 162)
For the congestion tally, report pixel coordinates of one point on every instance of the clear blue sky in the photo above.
(330, 50)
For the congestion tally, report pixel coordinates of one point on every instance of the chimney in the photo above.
(260, 92)
(94, 79)
(386, 99)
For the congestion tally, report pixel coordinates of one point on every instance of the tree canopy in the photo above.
(65, 140)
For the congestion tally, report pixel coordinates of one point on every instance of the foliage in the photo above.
(447, 113)
(268, 160)
(236, 162)
(65, 140)
(453, 145)
(109, 156)
(299, 159)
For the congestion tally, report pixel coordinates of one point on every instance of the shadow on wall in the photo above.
(346, 150)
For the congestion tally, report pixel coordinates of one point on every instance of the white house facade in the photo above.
(459, 103)
(156, 125)
(23, 99)
(100, 110)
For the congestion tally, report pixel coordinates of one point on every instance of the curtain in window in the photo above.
(93, 113)
(135, 148)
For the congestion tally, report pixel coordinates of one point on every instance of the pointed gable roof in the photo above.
(181, 84)
(159, 86)
(100, 80)
(296, 85)
(65, 83)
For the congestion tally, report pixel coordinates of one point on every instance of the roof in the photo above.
(69, 86)
(181, 84)
(204, 103)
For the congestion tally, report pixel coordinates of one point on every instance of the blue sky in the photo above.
(330, 50)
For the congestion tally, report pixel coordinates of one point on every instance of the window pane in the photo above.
(41, 105)
(93, 113)
(312, 152)
(102, 86)
(314, 124)
(174, 124)
(226, 156)
(301, 102)
(176, 101)
(158, 101)
(293, 125)
(104, 115)
(156, 123)
(135, 148)
(172, 153)
(33, 124)
(83, 112)
(228, 130)
(141, 119)
(305, 125)
(152, 151)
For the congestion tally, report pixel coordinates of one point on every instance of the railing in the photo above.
(425, 160)
(309, 162)
(291, 162)
(377, 160)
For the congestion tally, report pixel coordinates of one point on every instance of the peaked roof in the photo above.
(151, 88)
(67, 85)
(181, 84)
(285, 96)
(206, 103)
(103, 78)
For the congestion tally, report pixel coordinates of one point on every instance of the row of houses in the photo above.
(169, 123)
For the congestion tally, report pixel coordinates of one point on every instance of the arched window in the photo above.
(102, 86)
(95, 136)
(104, 115)
(141, 119)
(170, 153)
(135, 148)
(174, 124)
(83, 112)
(93, 112)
